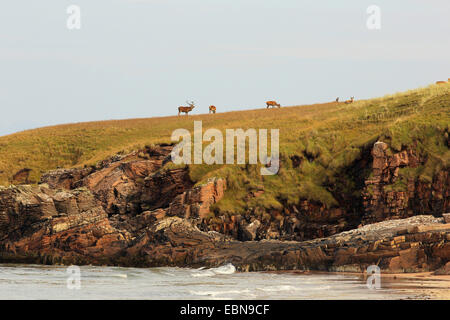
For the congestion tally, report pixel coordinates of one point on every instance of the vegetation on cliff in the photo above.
(320, 146)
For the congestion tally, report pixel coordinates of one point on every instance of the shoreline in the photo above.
(406, 286)
(424, 285)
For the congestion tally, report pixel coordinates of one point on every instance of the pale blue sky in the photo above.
(144, 58)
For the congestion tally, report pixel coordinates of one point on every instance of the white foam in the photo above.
(278, 288)
(224, 294)
(226, 269)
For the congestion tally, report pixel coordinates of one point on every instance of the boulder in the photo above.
(446, 217)
(444, 270)
(250, 231)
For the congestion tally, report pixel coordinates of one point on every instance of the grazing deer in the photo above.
(337, 99)
(272, 104)
(186, 109)
(350, 101)
(212, 109)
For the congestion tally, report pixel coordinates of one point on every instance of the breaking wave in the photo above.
(46, 282)
(226, 294)
(226, 269)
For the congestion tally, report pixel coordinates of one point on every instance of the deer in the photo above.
(212, 109)
(272, 104)
(350, 101)
(186, 110)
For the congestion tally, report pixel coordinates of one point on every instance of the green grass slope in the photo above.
(325, 138)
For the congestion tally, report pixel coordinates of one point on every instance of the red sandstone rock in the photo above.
(381, 203)
(127, 184)
(38, 222)
(22, 176)
(41, 225)
(195, 203)
(445, 270)
(446, 217)
(133, 212)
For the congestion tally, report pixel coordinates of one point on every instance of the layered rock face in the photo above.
(43, 225)
(127, 184)
(135, 183)
(130, 210)
(415, 244)
(196, 202)
(382, 201)
(294, 223)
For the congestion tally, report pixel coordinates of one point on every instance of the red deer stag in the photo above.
(186, 109)
(212, 109)
(272, 104)
(350, 101)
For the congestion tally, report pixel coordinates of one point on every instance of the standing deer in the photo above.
(212, 109)
(186, 109)
(272, 104)
(350, 101)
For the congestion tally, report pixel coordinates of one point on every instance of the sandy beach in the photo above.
(426, 284)
(422, 285)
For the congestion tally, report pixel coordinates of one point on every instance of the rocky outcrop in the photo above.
(251, 230)
(386, 197)
(135, 183)
(294, 223)
(398, 246)
(132, 210)
(43, 225)
(127, 184)
(66, 178)
(162, 188)
(446, 217)
(22, 176)
(445, 270)
(196, 202)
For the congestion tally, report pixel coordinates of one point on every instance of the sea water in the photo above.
(52, 282)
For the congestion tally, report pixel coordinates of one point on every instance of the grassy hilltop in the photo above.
(318, 144)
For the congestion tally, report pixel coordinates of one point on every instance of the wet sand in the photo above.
(426, 284)
(423, 285)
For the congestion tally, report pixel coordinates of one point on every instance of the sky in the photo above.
(144, 58)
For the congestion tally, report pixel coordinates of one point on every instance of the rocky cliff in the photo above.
(386, 185)
(388, 195)
(40, 225)
(132, 210)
